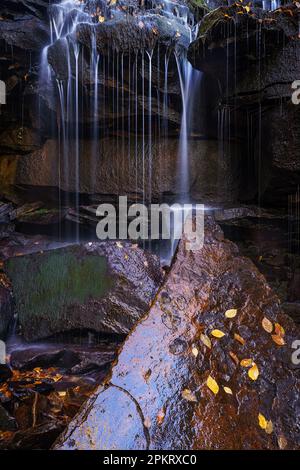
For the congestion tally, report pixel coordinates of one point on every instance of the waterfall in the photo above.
(115, 80)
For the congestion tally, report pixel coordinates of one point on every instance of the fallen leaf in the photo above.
(205, 340)
(278, 340)
(279, 330)
(119, 245)
(239, 339)
(195, 352)
(267, 325)
(262, 421)
(188, 395)
(234, 357)
(253, 372)
(246, 362)
(141, 25)
(217, 333)
(212, 385)
(269, 428)
(101, 19)
(282, 442)
(228, 390)
(231, 313)
(147, 423)
(160, 416)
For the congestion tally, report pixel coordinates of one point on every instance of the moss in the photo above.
(47, 284)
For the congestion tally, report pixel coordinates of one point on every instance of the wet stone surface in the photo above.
(231, 383)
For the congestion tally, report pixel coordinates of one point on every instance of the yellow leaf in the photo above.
(101, 19)
(188, 395)
(262, 421)
(247, 8)
(212, 385)
(246, 362)
(205, 340)
(228, 390)
(269, 428)
(231, 313)
(253, 372)
(239, 339)
(195, 352)
(278, 340)
(267, 325)
(217, 333)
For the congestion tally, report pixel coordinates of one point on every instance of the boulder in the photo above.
(104, 286)
(179, 382)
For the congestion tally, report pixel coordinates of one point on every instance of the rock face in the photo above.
(115, 167)
(157, 396)
(254, 58)
(6, 310)
(104, 287)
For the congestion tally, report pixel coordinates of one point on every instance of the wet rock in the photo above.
(7, 422)
(38, 437)
(5, 373)
(104, 287)
(114, 170)
(260, 52)
(170, 392)
(6, 310)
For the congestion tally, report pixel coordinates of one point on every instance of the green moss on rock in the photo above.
(46, 284)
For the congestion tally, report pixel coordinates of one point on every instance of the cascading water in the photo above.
(74, 93)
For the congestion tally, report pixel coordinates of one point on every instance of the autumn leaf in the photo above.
(119, 244)
(195, 352)
(246, 362)
(253, 372)
(282, 442)
(239, 339)
(269, 428)
(188, 395)
(278, 340)
(267, 325)
(147, 422)
(279, 330)
(205, 340)
(234, 357)
(212, 385)
(262, 421)
(160, 416)
(217, 333)
(231, 313)
(228, 390)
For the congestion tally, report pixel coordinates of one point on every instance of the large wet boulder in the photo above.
(210, 367)
(105, 287)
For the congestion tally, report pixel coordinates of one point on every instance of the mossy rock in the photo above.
(87, 287)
